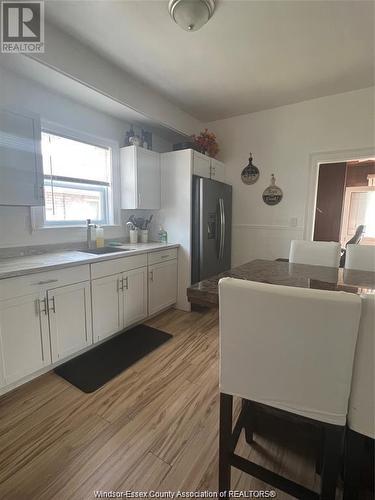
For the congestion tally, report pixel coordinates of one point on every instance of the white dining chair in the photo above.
(316, 253)
(361, 414)
(290, 349)
(361, 257)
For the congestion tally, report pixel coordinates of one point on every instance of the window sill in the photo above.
(44, 228)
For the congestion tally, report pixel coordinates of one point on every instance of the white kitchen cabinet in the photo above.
(24, 337)
(162, 256)
(162, 287)
(201, 165)
(27, 327)
(140, 178)
(117, 265)
(135, 296)
(107, 314)
(204, 166)
(21, 168)
(118, 301)
(48, 316)
(69, 310)
(217, 170)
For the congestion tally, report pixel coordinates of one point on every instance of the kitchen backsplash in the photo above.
(42, 247)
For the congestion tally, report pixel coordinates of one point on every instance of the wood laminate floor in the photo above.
(154, 427)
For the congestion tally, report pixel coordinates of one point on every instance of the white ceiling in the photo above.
(251, 55)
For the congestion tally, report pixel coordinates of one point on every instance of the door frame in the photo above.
(315, 160)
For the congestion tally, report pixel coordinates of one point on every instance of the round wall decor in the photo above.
(273, 194)
(250, 174)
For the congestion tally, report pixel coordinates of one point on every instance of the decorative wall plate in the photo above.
(273, 194)
(250, 174)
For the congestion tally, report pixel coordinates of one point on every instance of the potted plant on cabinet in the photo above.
(206, 143)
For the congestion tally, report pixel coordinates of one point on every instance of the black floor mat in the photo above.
(94, 368)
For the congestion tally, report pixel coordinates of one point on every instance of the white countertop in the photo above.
(19, 266)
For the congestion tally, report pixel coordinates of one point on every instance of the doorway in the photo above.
(345, 201)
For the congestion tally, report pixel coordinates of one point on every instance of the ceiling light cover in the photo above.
(191, 15)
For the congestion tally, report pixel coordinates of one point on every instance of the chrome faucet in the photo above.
(90, 240)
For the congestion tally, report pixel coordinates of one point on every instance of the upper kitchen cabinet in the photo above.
(217, 170)
(21, 169)
(201, 165)
(204, 166)
(140, 178)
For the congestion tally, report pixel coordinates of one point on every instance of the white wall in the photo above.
(16, 91)
(282, 140)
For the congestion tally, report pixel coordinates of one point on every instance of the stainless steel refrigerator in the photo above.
(211, 228)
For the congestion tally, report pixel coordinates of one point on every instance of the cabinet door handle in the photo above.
(126, 283)
(120, 284)
(151, 275)
(45, 282)
(53, 309)
(44, 303)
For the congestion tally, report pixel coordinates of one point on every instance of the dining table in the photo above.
(206, 292)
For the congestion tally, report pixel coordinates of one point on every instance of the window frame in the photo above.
(38, 217)
(100, 186)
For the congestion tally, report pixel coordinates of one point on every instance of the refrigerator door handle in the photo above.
(218, 232)
(222, 228)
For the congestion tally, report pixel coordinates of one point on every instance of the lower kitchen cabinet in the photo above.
(135, 295)
(24, 337)
(118, 301)
(46, 317)
(162, 289)
(106, 308)
(70, 319)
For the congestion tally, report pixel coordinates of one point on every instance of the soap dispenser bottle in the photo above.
(99, 237)
(163, 235)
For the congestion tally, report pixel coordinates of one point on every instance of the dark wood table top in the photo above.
(284, 273)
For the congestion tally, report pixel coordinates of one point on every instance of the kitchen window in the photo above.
(77, 181)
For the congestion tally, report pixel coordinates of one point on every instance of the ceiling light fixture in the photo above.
(191, 15)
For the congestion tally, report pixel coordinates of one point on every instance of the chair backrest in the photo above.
(361, 416)
(316, 253)
(358, 235)
(361, 257)
(290, 348)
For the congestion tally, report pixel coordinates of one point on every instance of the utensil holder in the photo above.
(144, 235)
(133, 234)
